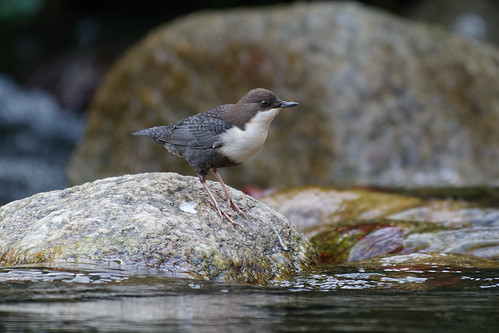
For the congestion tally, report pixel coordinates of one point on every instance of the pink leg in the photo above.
(227, 195)
(221, 213)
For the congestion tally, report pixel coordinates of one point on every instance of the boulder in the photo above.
(312, 207)
(156, 220)
(355, 224)
(383, 101)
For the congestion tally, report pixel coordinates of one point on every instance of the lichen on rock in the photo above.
(139, 221)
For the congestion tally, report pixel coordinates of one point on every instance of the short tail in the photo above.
(157, 133)
(145, 132)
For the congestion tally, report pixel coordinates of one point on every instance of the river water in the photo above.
(335, 299)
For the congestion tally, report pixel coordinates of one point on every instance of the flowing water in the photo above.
(339, 299)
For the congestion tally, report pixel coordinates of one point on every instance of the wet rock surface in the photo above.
(160, 221)
(415, 272)
(354, 240)
(382, 101)
(352, 225)
(309, 207)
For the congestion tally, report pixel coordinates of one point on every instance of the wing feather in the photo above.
(198, 131)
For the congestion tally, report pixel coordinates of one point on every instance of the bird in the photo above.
(224, 136)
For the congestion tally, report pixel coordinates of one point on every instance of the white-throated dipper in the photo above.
(224, 136)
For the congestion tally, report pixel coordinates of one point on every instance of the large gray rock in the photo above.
(158, 220)
(382, 100)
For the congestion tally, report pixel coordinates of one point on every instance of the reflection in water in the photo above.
(337, 298)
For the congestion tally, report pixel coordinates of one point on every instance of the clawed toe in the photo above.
(240, 210)
(228, 217)
(237, 208)
(225, 215)
(222, 213)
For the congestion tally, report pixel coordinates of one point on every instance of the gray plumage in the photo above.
(195, 139)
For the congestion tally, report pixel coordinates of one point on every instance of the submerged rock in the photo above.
(414, 271)
(352, 240)
(424, 261)
(350, 225)
(157, 220)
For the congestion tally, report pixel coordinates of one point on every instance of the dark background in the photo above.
(64, 47)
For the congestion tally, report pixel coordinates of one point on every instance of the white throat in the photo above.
(241, 145)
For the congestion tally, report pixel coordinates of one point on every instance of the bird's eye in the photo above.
(265, 102)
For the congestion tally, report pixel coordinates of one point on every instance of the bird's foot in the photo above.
(240, 210)
(236, 207)
(224, 215)
(228, 217)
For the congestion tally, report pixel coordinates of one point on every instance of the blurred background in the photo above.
(55, 52)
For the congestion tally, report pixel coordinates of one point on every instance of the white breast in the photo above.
(241, 145)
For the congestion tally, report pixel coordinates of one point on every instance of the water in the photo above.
(339, 299)
(37, 137)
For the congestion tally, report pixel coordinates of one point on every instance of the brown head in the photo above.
(255, 101)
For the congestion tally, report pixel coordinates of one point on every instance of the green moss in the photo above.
(17, 257)
(348, 204)
(379, 204)
(335, 241)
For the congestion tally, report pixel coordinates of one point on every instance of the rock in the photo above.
(383, 101)
(352, 224)
(153, 220)
(37, 138)
(353, 240)
(309, 208)
(451, 213)
(425, 261)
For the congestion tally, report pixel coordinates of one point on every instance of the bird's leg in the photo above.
(228, 198)
(223, 214)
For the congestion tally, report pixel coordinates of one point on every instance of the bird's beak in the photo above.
(288, 104)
